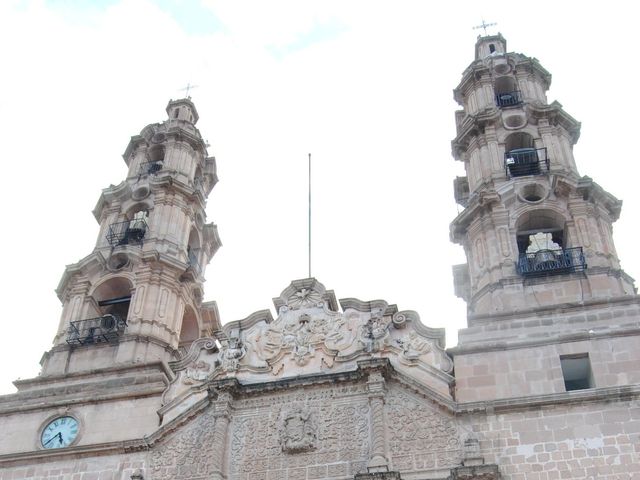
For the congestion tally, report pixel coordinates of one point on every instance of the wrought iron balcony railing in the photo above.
(129, 232)
(508, 99)
(150, 168)
(551, 262)
(526, 161)
(105, 329)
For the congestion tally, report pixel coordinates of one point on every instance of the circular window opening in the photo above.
(514, 121)
(502, 68)
(533, 193)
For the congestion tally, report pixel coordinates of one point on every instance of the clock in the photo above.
(59, 432)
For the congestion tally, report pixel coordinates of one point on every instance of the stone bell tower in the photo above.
(542, 273)
(137, 298)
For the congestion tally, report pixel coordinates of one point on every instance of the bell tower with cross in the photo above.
(542, 272)
(137, 298)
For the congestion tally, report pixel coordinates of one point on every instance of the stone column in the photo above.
(377, 458)
(222, 414)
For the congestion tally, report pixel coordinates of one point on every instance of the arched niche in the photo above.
(518, 140)
(189, 329)
(194, 249)
(540, 230)
(113, 297)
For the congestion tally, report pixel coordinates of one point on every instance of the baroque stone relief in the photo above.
(420, 436)
(319, 429)
(187, 453)
(311, 335)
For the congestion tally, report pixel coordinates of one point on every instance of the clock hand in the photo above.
(59, 434)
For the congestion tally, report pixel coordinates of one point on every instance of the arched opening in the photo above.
(132, 230)
(194, 251)
(155, 160)
(113, 297)
(492, 48)
(542, 245)
(506, 91)
(108, 320)
(198, 179)
(522, 158)
(189, 330)
(540, 229)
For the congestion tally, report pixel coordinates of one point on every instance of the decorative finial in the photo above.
(187, 88)
(484, 26)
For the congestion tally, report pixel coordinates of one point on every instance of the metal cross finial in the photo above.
(484, 26)
(187, 88)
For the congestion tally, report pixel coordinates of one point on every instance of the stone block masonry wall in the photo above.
(537, 370)
(112, 467)
(589, 441)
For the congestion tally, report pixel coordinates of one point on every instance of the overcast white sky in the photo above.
(365, 86)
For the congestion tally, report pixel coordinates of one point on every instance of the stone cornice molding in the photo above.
(473, 126)
(551, 338)
(593, 192)
(553, 310)
(593, 395)
(556, 116)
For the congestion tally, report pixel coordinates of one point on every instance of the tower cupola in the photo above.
(182, 109)
(490, 45)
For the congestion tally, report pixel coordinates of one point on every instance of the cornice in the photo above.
(593, 395)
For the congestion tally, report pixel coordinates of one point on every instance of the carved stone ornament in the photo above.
(311, 334)
(233, 350)
(298, 431)
(196, 372)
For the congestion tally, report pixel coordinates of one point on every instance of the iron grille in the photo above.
(508, 99)
(150, 168)
(551, 262)
(526, 161)
(105, 329)
(129, 232)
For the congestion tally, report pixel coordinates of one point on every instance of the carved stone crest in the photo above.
(196, 372)
(374, 333)
(232, 352)
(298, 431)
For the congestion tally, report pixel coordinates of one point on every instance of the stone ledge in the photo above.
(479, 472)
(378, 476)
(577, 396)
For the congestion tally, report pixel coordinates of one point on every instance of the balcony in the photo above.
(508, 99)
(551, 262)
(150, 168)
(526, 161)
(129, 232)
(105, 329)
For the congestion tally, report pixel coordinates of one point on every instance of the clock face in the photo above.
(59, 432)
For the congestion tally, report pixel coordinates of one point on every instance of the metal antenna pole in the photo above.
(309, 216)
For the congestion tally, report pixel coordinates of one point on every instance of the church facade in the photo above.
(144, 382)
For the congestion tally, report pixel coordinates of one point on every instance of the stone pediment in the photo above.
(311, 336)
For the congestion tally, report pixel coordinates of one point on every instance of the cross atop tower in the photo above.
(484, 26)
(189, 87)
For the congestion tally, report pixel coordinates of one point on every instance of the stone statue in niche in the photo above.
(298, 431)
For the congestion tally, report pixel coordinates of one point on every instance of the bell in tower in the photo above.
(137, 298)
